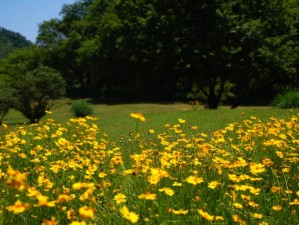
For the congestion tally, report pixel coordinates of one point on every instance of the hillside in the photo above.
(10, 40)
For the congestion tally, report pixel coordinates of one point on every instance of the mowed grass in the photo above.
(115, 120)
(182, 165)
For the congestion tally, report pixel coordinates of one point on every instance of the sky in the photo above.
(23, 16)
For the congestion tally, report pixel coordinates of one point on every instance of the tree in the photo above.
(10, 40)
(7, 97)
(162, 50)
(33, 85)
(35, 92)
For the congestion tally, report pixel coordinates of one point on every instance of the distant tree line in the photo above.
(10, 41)
(215, 51)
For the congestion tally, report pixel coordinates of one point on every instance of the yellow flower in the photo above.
(257, 215)
(276, 189)
(205, 215)
(238, 205)
(131, 216)
(70, 214)
(167, 191)
(194, 180)
(43, 201)
(120, 198)
(295, 202)
(53, 221)
(78, 186)
(138, 116)
(257, 168)
(177, 184)
(182, 121)
(179, 212)
(32, 192)
(237, 219)
(150, 131)
(16, 179)
(213, 184)
(148, 196)
(64, 198)
(86, 212)
(18, 207)
(77, 223)
(277, 207)
(279, 154)
(102, 175)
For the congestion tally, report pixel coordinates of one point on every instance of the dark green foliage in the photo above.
(33, 85)
(288, 99)
(161, 50)
(81, 108)
(7, 97)
(10, 41)
(36, 91)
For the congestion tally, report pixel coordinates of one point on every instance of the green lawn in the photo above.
(115, 119)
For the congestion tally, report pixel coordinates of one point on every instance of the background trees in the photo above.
(174, 50)
(10, 40)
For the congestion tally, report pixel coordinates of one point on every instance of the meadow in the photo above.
(151, 164)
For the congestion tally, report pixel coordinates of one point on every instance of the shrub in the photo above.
(81, 108)
(288, 99)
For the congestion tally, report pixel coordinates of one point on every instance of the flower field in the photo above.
(72, 173)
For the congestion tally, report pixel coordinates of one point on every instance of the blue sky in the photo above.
(23, 16)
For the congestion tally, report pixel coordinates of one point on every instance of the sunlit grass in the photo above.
(176, 167)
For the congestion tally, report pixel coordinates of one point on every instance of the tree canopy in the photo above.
(10, 41)
(236, 51)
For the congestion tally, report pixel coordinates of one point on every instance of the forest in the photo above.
(10, 41)
(216, 52)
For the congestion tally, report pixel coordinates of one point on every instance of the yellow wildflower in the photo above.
(257, 215)
(138, 116)
(148, 196)
(295, 202)
(205, 215)
(86, 212)
(16, 179)
(167, 191)
(18, 207)
(194, 180)
(150, 131)
(181, 121)
(213, 184)
(70, 214)
(53, 221)
(64, 198)
(78, 223)
(43, 201)
(177, 184)
(131, 216)
(120, 198)
(257, 168)
(102, 175)
(238, 205)
(179, 212)
(277, 207)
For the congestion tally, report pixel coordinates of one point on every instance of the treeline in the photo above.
(216, 51)
(10, 40)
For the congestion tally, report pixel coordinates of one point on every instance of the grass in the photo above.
(197, 167)
(115, 120)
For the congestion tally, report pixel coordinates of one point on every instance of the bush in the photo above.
(81, 108)
(289, 99)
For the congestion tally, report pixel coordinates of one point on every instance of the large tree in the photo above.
(33, 86)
